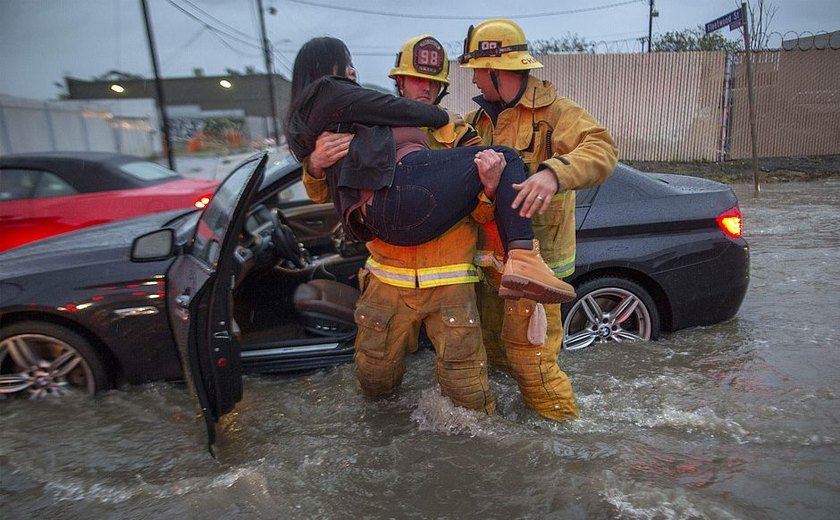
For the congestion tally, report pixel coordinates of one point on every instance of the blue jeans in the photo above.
(434, 189)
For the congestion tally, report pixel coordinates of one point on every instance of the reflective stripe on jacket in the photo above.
(423, 278)
(448, 259)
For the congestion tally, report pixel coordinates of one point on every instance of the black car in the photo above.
(655, 252)
(78, 311)
(263, 280)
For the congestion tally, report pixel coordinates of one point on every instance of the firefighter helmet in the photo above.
(422, 57)
(497, 44)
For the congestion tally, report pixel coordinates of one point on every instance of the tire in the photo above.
(590, 320)
(43, 360)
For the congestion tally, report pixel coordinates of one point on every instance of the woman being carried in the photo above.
(390, 185)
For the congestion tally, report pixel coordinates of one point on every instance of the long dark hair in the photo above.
(319, 57)
(324, 56)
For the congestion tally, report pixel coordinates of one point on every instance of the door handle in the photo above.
(183, 301)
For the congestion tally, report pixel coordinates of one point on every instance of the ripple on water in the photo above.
(636, 499)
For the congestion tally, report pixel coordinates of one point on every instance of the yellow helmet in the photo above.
(497, 44)
(422, 57)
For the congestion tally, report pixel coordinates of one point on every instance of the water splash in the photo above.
(436, 413)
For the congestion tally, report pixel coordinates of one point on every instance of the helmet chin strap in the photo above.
(441, 95)
(495, 80)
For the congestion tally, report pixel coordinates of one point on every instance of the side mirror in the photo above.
(157, 245)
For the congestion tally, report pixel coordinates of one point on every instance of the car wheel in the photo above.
(609, 309)
(39, 360)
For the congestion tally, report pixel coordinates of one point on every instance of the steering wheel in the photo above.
(286, 244)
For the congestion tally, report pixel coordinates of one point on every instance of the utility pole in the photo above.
(653, 13)
(161, 101)
(269, 75)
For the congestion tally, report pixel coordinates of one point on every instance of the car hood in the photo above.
(88, 246)
(180, 187)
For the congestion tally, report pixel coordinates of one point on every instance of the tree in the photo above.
(219, 125)
(693, 39)
(569, 44)
(760, 14)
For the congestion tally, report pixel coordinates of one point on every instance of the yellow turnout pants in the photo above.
(389, 320)
(544, 387)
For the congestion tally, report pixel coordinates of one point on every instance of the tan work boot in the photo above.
(526, 275)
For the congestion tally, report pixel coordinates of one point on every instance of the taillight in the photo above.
(202, 202)
(730, 222)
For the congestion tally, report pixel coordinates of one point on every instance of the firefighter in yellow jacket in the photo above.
(565, 148)
(433, 283)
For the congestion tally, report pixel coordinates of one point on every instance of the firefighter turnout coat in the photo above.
(553, 132)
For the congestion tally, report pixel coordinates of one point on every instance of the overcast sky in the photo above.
(41, 41)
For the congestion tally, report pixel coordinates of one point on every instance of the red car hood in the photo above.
(33, 219)
(179, 187)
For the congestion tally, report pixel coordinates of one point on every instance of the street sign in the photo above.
(733, 20)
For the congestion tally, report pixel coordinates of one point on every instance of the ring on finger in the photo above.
(540, 197)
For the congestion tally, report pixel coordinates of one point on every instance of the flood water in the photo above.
(736, 420)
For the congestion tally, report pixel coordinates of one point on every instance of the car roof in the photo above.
(88, 172)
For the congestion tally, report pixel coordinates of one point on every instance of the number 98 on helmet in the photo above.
(422, 57)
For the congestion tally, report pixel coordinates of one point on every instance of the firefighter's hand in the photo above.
(329, 148)
(454, 117)
(535, 193)
(490, 164)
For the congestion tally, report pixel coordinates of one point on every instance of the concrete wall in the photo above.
(41, 126)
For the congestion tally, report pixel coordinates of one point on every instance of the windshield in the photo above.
(147, 171)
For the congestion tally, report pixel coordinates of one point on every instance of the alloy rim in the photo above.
(606, 315)
(40, 366)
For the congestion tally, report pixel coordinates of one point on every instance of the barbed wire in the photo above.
(788, 41)
(624, 46)
(803, 41)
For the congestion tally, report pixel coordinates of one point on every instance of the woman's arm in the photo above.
(355, 104)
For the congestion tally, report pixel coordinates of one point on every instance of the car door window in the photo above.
(294, 195)
(16, 184)
(216, 217)
(50, 185)
(20, 184)
(584, 197)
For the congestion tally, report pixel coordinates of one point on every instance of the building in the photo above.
(191, 100)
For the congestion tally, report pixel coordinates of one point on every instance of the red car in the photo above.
(47, 194)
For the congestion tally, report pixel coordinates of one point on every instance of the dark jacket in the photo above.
(341, 105)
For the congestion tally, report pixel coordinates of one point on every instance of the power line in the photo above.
(285, 61)
(214, 29)
(205, 13)
(254, 18)
(231, 47)
(445, 17)
(183, 47)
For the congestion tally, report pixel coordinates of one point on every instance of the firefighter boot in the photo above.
(527, 275)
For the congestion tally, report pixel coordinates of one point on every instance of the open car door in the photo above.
(199, 296)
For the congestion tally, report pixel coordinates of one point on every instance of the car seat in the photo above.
(326, 307)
